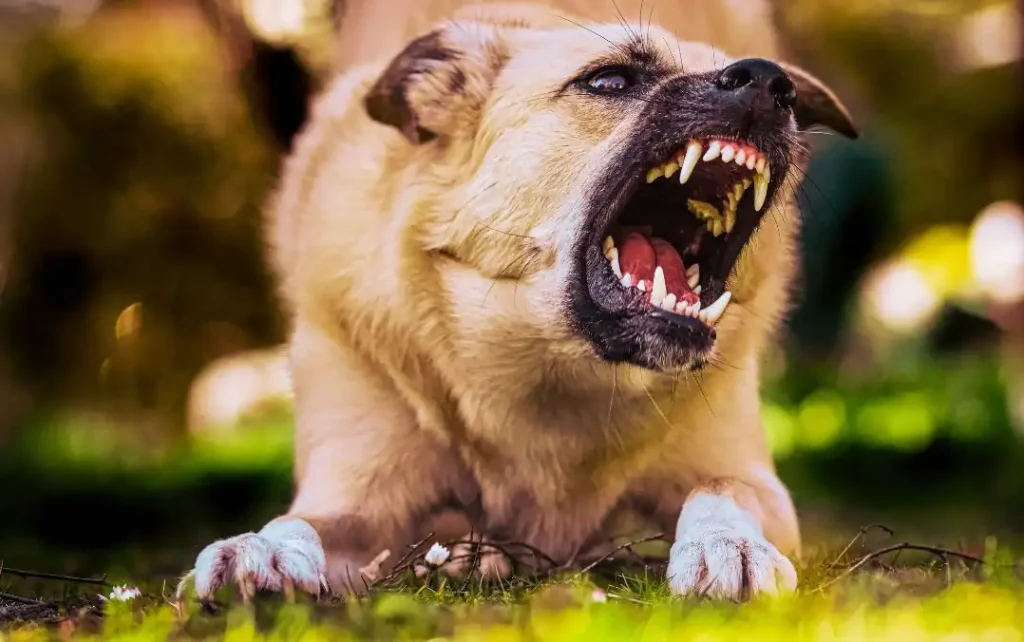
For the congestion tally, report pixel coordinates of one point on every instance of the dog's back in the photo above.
(372, 30)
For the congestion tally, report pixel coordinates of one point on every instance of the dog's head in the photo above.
(619, 172)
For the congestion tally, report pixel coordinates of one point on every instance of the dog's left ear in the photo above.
(816, 104)
(437, 85)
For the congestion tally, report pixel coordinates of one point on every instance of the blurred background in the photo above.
(144, 404)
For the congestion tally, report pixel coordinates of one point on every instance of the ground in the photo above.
(92, 512)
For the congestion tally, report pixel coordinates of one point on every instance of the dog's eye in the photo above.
(611, 81)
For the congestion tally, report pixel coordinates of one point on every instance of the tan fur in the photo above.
(430, 355)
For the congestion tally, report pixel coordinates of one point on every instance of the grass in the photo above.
(918, 598)
(75, 500)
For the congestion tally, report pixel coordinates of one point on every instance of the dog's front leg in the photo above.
(724, 541)
(365, 471)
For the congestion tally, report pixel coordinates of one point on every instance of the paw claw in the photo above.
(277, 560)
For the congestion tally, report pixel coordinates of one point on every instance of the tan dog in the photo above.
(510, 300)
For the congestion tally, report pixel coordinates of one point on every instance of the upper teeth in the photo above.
(743, 155)
(657, 292)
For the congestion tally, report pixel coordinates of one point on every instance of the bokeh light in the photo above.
(899, 295)
(997, 251)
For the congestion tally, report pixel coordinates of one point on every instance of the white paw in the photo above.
(720, 553)
(285, 555)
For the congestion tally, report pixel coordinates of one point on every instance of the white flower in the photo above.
(437, 555)
(597, 595)
(122, 594)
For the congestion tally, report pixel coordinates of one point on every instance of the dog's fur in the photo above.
(424, 234)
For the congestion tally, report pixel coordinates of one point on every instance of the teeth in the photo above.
(728, 152)
(759, 165)
(696, 290)
(741, 157)
(690, 161)
(658, 289)
(714, 149)
(670, 169)
(713, 312)
(608, 244)
(627, 280)
(767, 173)
(718, 227)
(642, 286)
(654, 174)
(730, 218)
(751, 161)
(693, 276)
(669, 302)
(613, 258)
(695, 306)
(702, 210)
(760, 191)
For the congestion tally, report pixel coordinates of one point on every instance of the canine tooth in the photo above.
(715, 310)
(759, 165)
(609, 243)
(751, 161)
(654, 174)
(627, 280)
(767, 172)
(728, 152)
(741, 157)
(714, 149)
(669, 302)
(642, 285)
(693, 151)
(760, 192)
(613, 258)
(670, 168)
(658, 289)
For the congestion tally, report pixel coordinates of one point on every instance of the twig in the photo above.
(862, 533)
(942, 553)
(26, 600)
(403, 562)
(54, 576)
(533, 549)
(604, 558)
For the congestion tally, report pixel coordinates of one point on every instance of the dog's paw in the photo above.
(285, 555)
(720, 552)
(728, 564)
(491, 563)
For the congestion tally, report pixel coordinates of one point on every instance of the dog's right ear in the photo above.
(438, 84)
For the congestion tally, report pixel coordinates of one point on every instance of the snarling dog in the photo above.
(532, 265)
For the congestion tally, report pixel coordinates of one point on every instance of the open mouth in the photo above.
(675, 242)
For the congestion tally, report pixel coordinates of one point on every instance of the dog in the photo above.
(531, 262)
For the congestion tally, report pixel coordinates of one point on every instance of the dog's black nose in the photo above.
(751, 78)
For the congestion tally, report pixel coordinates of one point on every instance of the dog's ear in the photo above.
(439, 82)
(816, 104)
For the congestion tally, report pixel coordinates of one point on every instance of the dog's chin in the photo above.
(651, 267)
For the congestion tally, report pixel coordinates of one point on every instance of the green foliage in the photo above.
(869, 607)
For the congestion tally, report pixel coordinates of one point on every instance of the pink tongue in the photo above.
(637, 258)
(639, 255)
